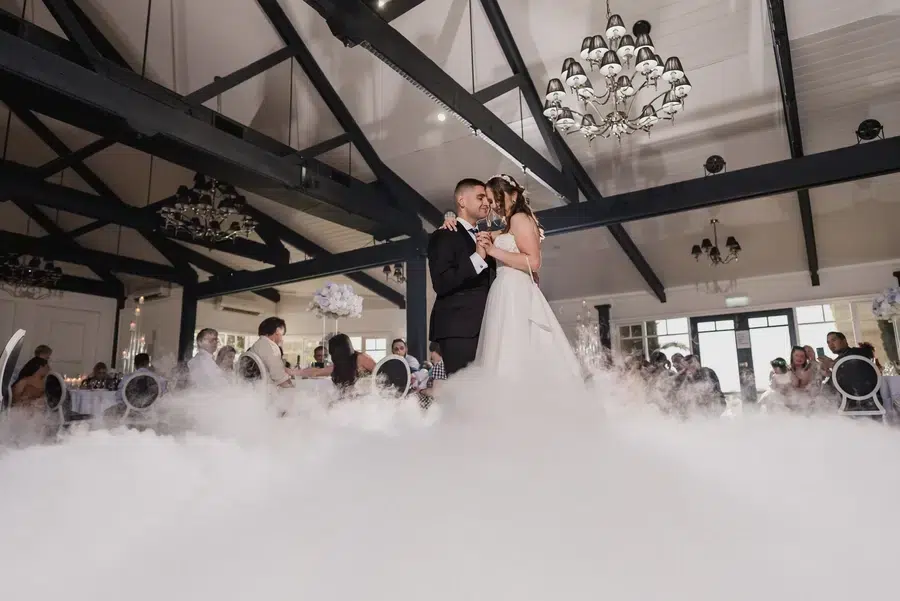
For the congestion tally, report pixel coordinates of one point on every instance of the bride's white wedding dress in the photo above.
(519, 332)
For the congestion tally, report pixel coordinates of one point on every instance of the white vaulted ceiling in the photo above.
(847, 68)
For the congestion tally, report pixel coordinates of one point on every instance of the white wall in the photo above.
(775, 291)
(77, 327)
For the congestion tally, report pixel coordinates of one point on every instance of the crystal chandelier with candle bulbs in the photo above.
(396, 274)
(26, 276)
(209, 210)
(628, 67)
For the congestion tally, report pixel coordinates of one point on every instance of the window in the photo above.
(667, 335)
(631, 340)
(815, 321)
(377, 348)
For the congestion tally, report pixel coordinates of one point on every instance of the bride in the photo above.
(519, 331)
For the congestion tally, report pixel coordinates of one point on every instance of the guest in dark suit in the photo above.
(461, 275)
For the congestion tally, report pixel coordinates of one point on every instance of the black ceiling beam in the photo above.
(325, 266)
(396, 8)
(60, 163)
(20, 182)
(213, 267)
(222, 84)
(407, 198)
(43, 132)
(49, 226)
(355, 21)
(559, 147)
(61, 251)
(495, 90)
(325, 145)
(782, 45)
(48, 76)
(79, 28)
(71, 283)
(307, 246)
(861, 161)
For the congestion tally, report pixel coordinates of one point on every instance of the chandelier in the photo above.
(209, 210)
(27, 276)
(613, 101)
(711, 248)
(397, 273)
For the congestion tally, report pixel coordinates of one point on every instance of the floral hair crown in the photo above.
(509, 180)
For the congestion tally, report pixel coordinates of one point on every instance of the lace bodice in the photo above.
(506, 242)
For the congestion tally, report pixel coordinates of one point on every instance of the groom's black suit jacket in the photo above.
(461, 293)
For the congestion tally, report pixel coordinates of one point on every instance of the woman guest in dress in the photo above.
(28, 389)
(347, 364)
(225, 358)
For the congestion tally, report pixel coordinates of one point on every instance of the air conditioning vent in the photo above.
(239, 311)
(236, 306)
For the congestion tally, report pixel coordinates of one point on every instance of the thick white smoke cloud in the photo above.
(524, 492)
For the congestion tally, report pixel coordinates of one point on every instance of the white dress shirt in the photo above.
(477, 262)
(270, 353)
(204, 371)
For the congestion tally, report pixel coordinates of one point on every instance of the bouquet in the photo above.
(335, 301)
(886, 305)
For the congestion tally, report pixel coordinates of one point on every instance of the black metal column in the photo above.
(188, 322)
(120, 304)
(417, 308)
(604, 329)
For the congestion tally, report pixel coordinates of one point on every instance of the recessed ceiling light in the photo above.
(442, 117)
(381, 3)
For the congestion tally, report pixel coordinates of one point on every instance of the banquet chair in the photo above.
(8, 361)
(251, 368)
(56, 395)
(140, 391)
(858, 379)
(392, 372)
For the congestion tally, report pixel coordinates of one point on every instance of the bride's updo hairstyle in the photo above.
(503, 185)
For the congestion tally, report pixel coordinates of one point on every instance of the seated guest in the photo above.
(203, 369)
(801, 369)
(780, 382)
(318, 357)
(41, 351)
(837, 344)
(701, 383)
(678, 363)
(98, 375)
(347, 365)
(28, 388)
(399, 348)
(141, 366)
(225, 358)
(268, 347)
(436, 374)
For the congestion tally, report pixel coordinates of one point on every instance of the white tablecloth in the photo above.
(92, 402)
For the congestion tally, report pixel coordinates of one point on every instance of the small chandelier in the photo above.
(28, 276)
(613, 102)
(209, 210)
(397, 273)
(711, 248)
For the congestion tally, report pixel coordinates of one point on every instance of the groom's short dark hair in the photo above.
(465, 184)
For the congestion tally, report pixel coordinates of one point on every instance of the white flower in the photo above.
(335, 301)
(886, 305)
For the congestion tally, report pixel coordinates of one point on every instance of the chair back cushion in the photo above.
(856, 377)
(141, 390)
(250, 367)
(8, 361)
(392, 372)
(55, 391)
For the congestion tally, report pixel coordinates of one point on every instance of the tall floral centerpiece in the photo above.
(886, 308)
(335, 301)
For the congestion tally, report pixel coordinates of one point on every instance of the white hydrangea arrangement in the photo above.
(886, 305)
(336, 301)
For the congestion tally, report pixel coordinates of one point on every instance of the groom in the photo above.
(461, 275)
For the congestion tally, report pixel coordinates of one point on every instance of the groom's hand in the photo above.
(480, 246)
(484, 243)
